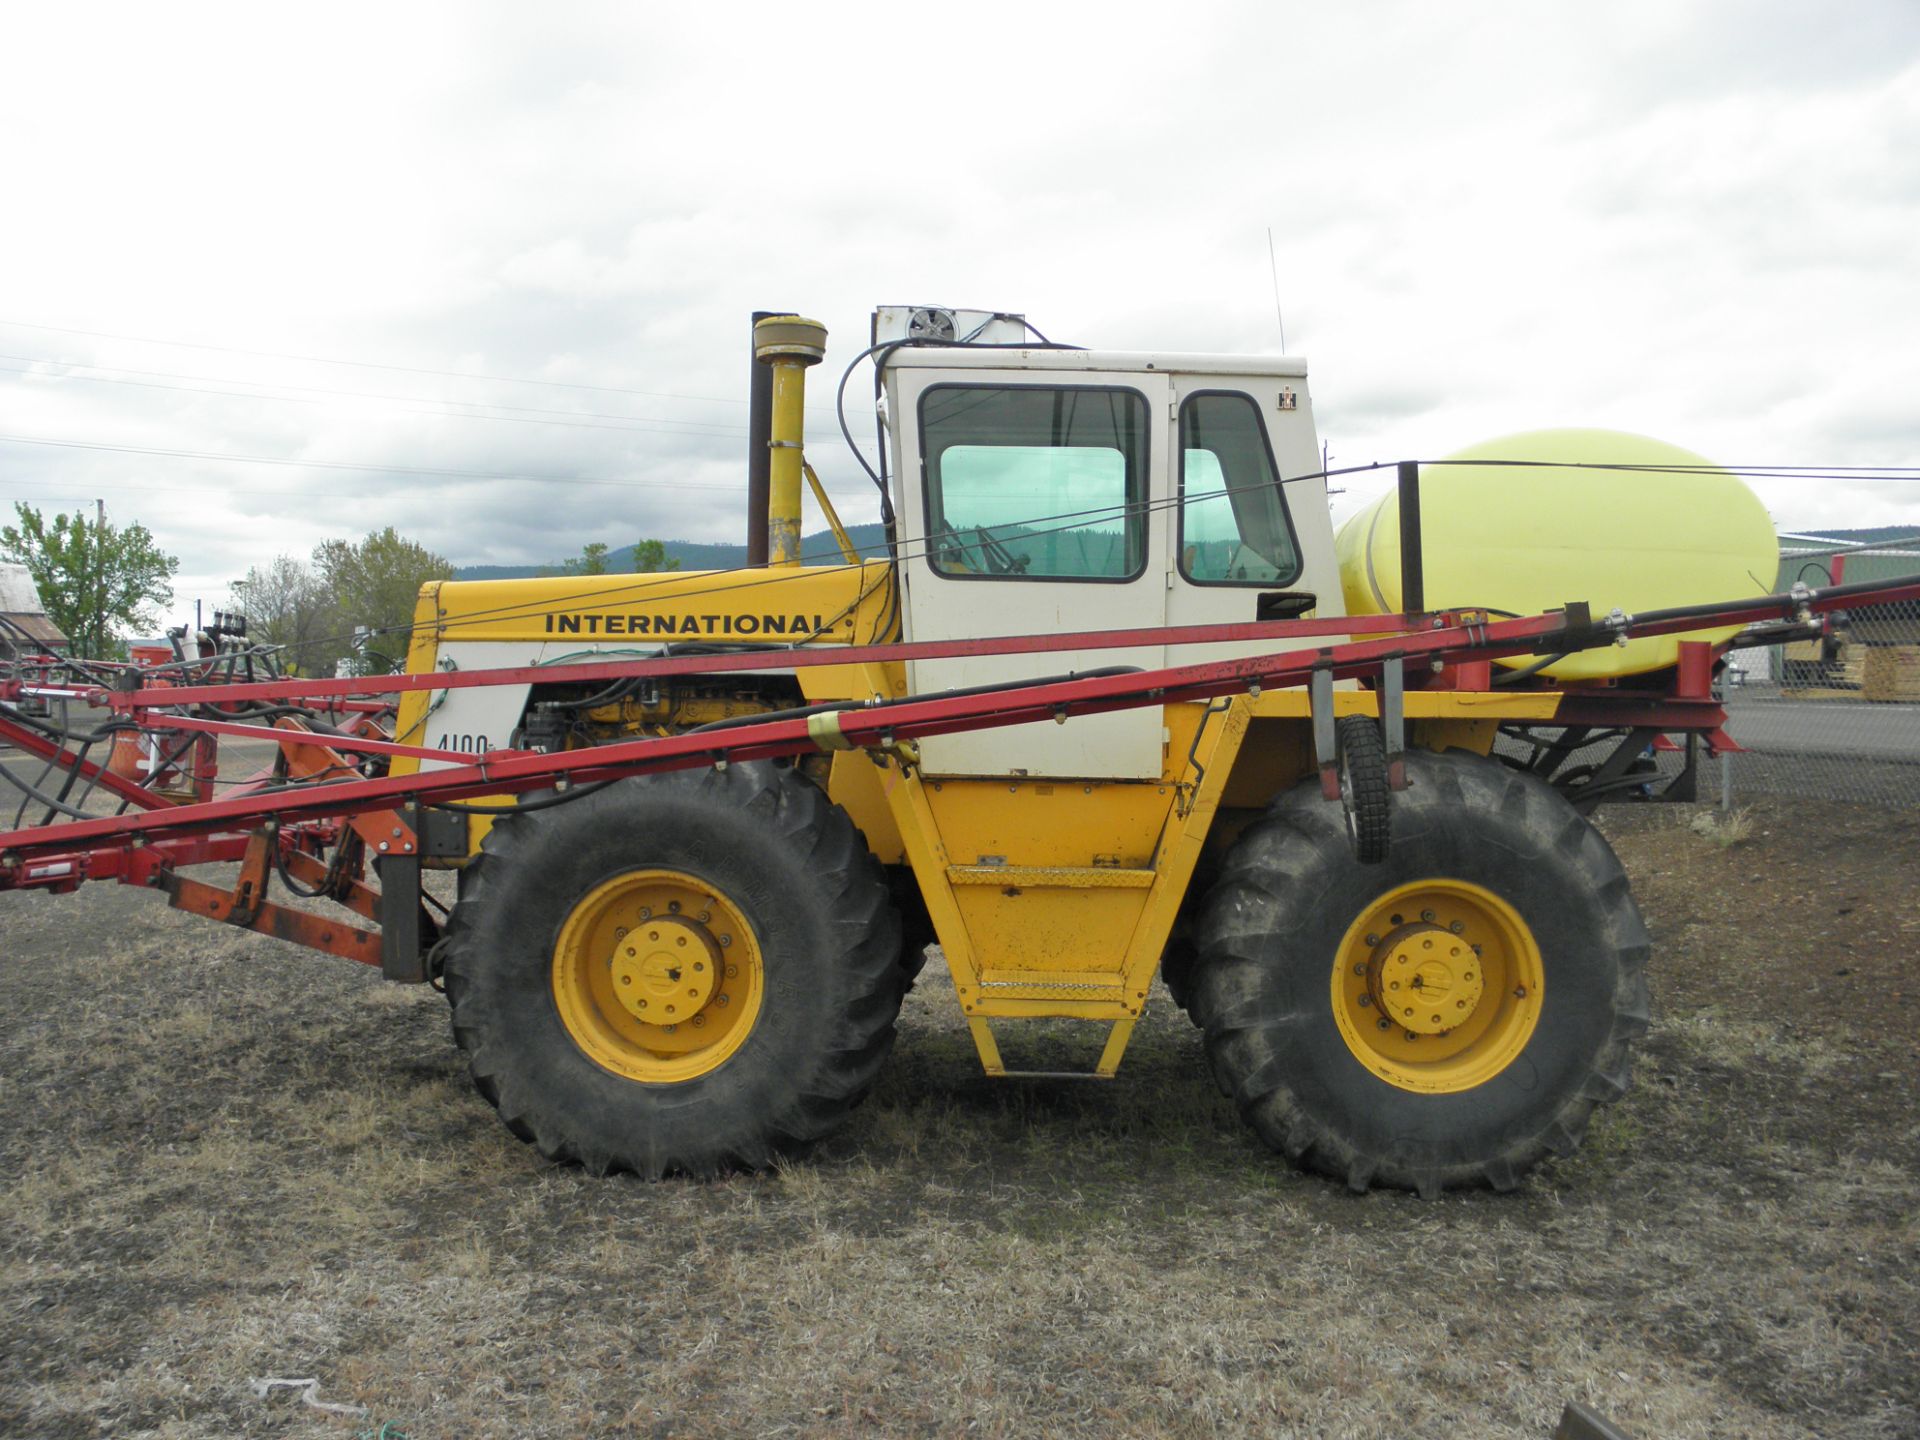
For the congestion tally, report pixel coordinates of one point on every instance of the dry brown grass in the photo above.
(227, 1159)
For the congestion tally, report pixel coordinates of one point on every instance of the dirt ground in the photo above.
(225, 1159)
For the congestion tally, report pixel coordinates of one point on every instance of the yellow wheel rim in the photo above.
(1437, 986)
(657, 976)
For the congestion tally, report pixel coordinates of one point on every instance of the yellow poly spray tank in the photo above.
(1522, 538)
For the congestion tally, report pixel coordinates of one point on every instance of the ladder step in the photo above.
(1052, 984)
(1051, 877)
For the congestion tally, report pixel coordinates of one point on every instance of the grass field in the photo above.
(226, 1159)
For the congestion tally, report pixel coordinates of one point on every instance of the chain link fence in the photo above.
(1836, 718)
(1830, 718)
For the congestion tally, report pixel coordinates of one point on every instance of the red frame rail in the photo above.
(288, 824)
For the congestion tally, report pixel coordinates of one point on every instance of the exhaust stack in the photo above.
(759, 431)
(788, 344)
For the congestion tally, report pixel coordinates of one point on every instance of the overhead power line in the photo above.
(368, 466)
(642, 423)
(377, 365)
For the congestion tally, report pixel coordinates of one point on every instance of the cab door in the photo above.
(1027, 507)
(1249, 539)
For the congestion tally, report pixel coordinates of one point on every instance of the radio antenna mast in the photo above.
(1274, 266)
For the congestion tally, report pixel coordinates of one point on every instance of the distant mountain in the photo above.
(819, 548)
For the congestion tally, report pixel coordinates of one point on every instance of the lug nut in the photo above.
(1456, 927)
(1373, 939)
(1385, 1024)
(1427, 915)
(1366, 1000)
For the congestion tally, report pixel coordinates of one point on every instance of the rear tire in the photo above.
(687, 972)
(1523, 1016)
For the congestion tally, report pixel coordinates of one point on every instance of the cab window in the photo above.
(1234, 528)
(1035, 482)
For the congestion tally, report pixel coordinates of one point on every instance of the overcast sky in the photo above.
(1694, 220)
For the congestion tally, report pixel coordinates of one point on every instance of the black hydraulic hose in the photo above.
(1527, 672)
(885, 349)
(65, 733)
(562, 797)
(1790, 603)
(30, 788)
(733, 722)
(39, 797)
(541, 802)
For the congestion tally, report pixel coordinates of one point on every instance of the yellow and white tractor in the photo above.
(1415, 961)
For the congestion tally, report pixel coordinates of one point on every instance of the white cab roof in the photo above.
(961, 357)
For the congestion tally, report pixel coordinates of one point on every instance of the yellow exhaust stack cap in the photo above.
(789, 337)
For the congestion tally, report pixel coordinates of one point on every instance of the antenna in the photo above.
(1274, 266)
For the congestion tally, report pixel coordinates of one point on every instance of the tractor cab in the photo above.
(1042, 488)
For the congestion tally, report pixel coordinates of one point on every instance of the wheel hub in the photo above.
(1425, 978)
(657, 975)
(1437, 985)
(665, 970)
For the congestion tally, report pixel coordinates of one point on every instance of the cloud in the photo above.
(1692, 221)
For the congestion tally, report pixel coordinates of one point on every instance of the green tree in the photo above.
(287, 603)
(99, 582)
(375, 583)
(650, 556)
(592, 561)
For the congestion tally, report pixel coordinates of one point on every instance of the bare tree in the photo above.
(286, 603)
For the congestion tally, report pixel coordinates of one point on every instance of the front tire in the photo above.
(687, 972)
(1445, 1017)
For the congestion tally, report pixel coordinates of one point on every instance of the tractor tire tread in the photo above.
(1369, 800)
(1276, 879)
(852, 916)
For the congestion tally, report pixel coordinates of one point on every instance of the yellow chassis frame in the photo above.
(1075, 906)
